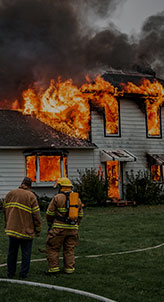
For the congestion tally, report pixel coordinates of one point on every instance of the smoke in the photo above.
(44, 39)
(150, 50)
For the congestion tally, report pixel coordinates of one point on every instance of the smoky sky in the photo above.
(44, 39)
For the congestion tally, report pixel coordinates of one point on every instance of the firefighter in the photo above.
(63, 229)
(22, 221)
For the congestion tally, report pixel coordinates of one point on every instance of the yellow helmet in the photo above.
(64, 182)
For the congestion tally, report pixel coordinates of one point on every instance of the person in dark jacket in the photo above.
(22, 222)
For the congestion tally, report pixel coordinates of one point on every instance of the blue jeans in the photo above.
(26, 247)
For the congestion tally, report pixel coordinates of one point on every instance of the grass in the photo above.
(133, 277)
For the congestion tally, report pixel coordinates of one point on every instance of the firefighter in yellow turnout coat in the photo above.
(22, 223)
(63, 231)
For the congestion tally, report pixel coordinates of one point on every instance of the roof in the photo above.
(116, 155)
(117, 77)
(155, 159)
(25, 131)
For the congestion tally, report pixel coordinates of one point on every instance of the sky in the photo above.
(130, 16)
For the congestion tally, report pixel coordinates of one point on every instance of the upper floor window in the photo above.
(112, 117)
(46, 168)
(153, 120)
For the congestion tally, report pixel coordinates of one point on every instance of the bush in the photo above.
(92, 187)
(142, 189)
(1, 204)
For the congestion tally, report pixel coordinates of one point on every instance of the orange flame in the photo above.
(61, 106)
(154, 98)
(49, 167)
(113, 174)
(102, 94)
(66, 107)
(100, 173)
(156, 172)
(31, 167)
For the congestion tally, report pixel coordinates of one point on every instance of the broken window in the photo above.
(153, 120)
(112, 118)
(46, 168)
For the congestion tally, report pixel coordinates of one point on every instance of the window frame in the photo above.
(160, 125)
(37, 165)
(119, 123)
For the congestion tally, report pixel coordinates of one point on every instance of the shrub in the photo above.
(1, 204)
(92, 187)
(143, 189)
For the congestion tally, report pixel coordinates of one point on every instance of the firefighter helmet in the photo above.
(64, 182)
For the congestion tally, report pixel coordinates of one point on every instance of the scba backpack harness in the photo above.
(72, 207)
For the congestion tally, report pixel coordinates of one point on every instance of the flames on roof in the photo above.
(66, 107)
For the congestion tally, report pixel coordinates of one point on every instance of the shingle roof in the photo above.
(25, 131)
(116, 77)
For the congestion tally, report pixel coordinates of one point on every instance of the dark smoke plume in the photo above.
(44, 39)
(150, 48)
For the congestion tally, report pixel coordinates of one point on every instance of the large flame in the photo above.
(156, 172)
(49, 167)
(154, 98)
(31, 167)
(62, 106)
(103, 94)
(113, 174)
(66, 107)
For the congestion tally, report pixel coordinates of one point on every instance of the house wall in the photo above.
(133, 139)
(12, 170)
(133, 136)
(79, 160)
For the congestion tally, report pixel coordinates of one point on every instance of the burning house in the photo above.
(113, 124)
(30, 147)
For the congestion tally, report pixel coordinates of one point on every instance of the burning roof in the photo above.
(25, 131)
(66, 107)
(117, 77)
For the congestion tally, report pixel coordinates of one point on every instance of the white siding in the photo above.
(133, 136)
(79, 160)
(12, 170)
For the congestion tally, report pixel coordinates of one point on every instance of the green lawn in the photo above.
(129, 277)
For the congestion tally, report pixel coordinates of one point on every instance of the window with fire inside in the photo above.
(157, 173)
(46, 168)
(112, 118)
(153, 120)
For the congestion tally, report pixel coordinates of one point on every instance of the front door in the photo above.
(114, 177)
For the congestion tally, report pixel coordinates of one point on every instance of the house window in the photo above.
(31, 167)
(46, 168)
(156, 172)
(153, 120)
(112, 117)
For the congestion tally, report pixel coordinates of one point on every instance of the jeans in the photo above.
(26, 246)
